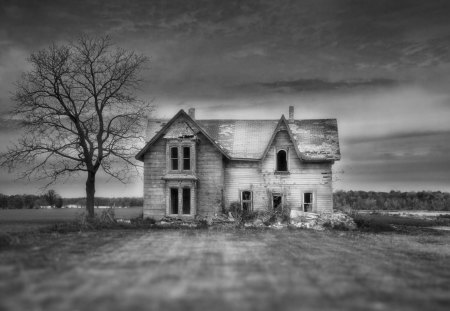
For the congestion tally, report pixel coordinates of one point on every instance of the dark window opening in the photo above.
(174, 200)
(282, 161)
(186, 158)
(186, 201)
(174, 158)
(246, 201)
(307, 202)
(277, 202)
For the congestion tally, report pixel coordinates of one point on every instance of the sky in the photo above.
(382, 68)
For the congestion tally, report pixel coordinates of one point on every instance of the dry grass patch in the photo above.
(226, 270)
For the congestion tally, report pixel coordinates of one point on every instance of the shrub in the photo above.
(372, 224)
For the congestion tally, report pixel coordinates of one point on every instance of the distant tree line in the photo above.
(393, 200)
(27, 201)
(52, 199)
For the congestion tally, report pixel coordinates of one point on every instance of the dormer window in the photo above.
(282, 161)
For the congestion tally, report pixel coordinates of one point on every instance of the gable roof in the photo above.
(314, 140)
(159, 128)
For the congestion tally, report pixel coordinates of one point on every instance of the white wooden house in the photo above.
(196, 167)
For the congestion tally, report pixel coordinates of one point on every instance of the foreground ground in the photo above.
(226, 270)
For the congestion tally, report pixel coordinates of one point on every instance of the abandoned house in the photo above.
(197, 167)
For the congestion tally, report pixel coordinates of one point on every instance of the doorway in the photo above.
(277, 202)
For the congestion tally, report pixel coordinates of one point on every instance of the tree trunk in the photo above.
(90, 194)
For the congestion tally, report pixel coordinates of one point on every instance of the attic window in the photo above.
(282, 161)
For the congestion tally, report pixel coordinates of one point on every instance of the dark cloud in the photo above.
(381, 67)
(423, 135)
(318, 85)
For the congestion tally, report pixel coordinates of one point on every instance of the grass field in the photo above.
(59, 214)
(226, 270)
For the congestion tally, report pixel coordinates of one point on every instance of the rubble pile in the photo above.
(306, 220)
(337, 220)
(298, 219)
(177, 222)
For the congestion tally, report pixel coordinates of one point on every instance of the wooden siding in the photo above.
(208, 168)
(220, 181)
(261, 178)
(154, 185)
(210, 174)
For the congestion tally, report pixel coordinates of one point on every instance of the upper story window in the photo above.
(181, 157)
(186, 158)
(282, 163)
(174, 158)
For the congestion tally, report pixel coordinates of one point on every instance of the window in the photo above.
(308, 202)
(174, 158)
(246, 201)
(186, 158)
(282, 161)
(180, 201)
(186, 201)
(173, 200)
(277, 202)
(180, 157)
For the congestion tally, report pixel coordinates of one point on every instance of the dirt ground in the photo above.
(226, 270)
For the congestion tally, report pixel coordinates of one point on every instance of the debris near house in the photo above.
(262, 220)
(337, 220)
(175, 222)
(305, 220)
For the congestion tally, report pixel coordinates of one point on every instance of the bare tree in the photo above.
(50, 196)
(80, 114)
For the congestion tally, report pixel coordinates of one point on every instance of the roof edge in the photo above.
(140, 155)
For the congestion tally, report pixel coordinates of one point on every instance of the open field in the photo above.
(406, 213)
(226, 270)
(60, 214)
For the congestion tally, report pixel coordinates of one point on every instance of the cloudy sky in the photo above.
(382, 68)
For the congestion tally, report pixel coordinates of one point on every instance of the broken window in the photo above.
(174, 158)
(246, 201)
(307, 201)
(174, 200)
(277, 202)
(186, 158)
(282, 161)
(186, 201)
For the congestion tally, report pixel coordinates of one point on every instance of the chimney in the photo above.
(191, 113)
(291, 114)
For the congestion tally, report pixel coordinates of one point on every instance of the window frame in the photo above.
(183, 158)
(241, 196)
(273, 194)
(171, 159)
(171, 201)
(313, 201)
(181, 186)
(180, 145)
(286, 150)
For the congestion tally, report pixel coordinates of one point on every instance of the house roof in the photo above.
(315, 140)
